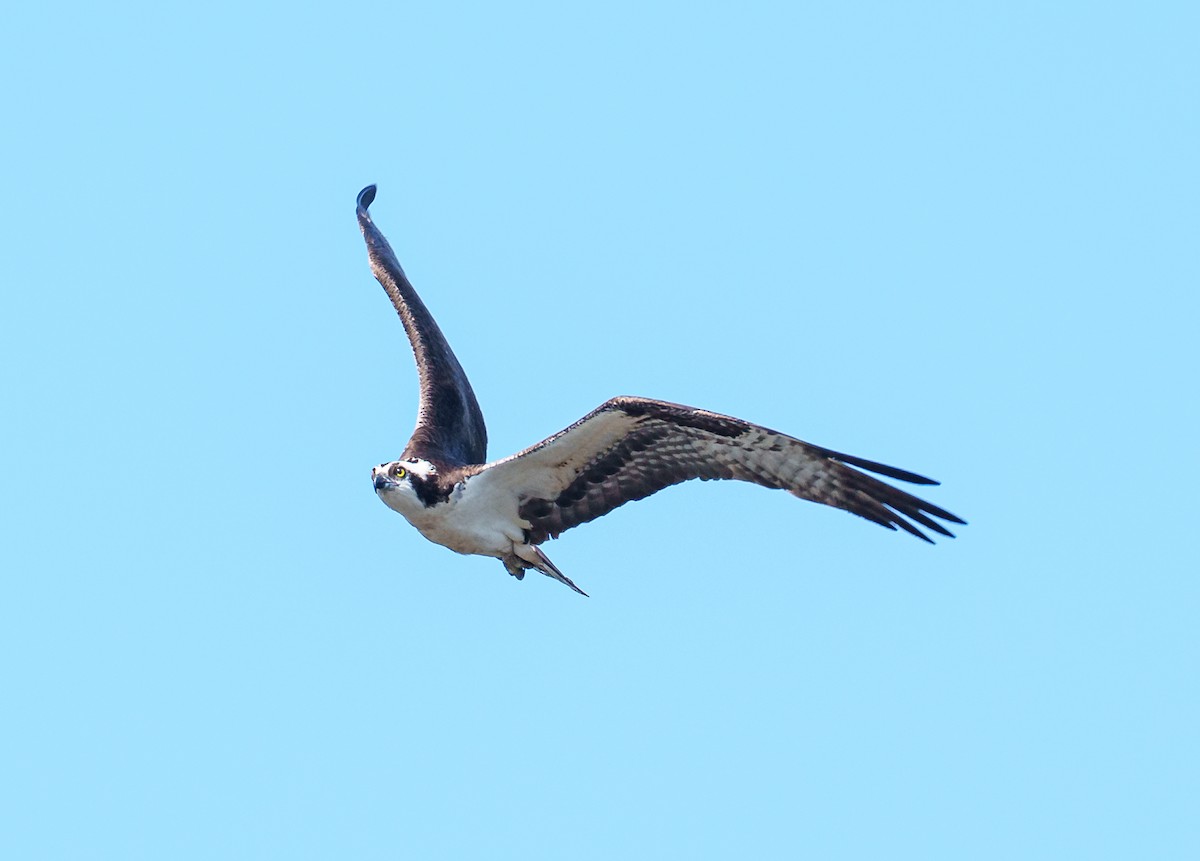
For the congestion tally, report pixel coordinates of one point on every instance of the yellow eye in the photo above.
(400, 472)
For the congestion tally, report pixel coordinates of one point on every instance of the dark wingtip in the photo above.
(884, 469)
(365, 198)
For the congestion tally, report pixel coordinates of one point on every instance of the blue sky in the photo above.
(958, 238)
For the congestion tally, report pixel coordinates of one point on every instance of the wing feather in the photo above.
(629, 448)
(450, 425)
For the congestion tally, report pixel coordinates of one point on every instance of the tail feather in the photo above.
(548, 568)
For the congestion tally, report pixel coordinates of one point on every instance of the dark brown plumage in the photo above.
(450, 425)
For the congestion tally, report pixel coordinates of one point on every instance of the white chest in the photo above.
(478, 519)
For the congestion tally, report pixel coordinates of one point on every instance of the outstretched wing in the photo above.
(629, 448)
(450, 424)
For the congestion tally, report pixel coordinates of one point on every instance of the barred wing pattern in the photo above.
(629, 448)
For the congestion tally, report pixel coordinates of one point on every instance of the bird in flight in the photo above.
(625, 449)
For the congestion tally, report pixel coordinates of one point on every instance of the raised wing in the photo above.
(629, 448)
(450, 424)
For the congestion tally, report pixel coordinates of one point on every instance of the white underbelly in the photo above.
(472, 524)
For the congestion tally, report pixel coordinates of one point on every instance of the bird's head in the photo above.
(403, 485)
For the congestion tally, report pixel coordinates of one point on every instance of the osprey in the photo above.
(625, 449)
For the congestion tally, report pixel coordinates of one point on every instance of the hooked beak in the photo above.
(380, 480)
